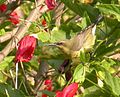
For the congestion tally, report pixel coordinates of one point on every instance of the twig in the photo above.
(4, 73)
(8, 35)
(16, 79)
(24, 74)
(35, 13)
(11, 74)
(58, 14)
(115, 56)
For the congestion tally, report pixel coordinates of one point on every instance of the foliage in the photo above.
(96, 70)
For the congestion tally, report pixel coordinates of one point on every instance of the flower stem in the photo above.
(16, 80)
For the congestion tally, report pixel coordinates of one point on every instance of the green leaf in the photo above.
(113, 83)
(2, 1)
(107, 63)
(43, 36)
(80, 8)
(6, 62)
(109, 1)
(104, 49)
(94, 91)
(3, 25)
(2, 32)
(51, 94)
(79, 73)
(92, 77)
(114, 36)
(113, 9)
(84, 57)
(7, 90)
(3, 65)
(85, 21)
(57, 35)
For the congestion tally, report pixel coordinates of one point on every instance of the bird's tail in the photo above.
(99, 18)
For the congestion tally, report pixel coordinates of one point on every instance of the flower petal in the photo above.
(59, 94)
(14, 18)
(48, 81)
(70, 90)
(50, 4)
(25, 49)
(3, 7)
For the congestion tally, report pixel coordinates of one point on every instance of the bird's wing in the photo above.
(84, 39)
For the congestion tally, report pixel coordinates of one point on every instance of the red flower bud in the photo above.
(14, 18)
(68, 91)
(3, 7)
(44, 23)
(26, 49)
(50, 4)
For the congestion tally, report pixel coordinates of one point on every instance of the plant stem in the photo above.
(16, 79)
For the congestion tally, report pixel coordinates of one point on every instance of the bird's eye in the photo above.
(60, 43)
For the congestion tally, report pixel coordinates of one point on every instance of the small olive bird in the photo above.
(83, 40)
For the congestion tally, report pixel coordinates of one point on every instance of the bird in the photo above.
(84, 40)
(71, 48)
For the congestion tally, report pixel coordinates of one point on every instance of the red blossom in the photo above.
(50, 4)
(44, 95)
(68, 91)
(48, 86)
(3, 7)
(48, 81)
(44, 23)
(14, 18)
(59, 93)
(26, 49)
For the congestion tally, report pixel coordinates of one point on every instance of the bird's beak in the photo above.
(52, 44)
(56, 44)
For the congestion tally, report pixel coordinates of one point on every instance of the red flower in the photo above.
(59, 94)
(44, 95)
(14, 18)
(48, 86)
(44, 23)
(50, 4)
(3, 7)
(25, 49)
(48, 82)
(68, 91)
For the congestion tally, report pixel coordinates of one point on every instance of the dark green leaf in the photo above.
(112, 9)
(52, 94)
(7, 90)
(80, 9)
(2, 1)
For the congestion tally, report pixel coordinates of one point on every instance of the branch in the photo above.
(115, 56)
(35, 13)
(58, 14)
(8, 35)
